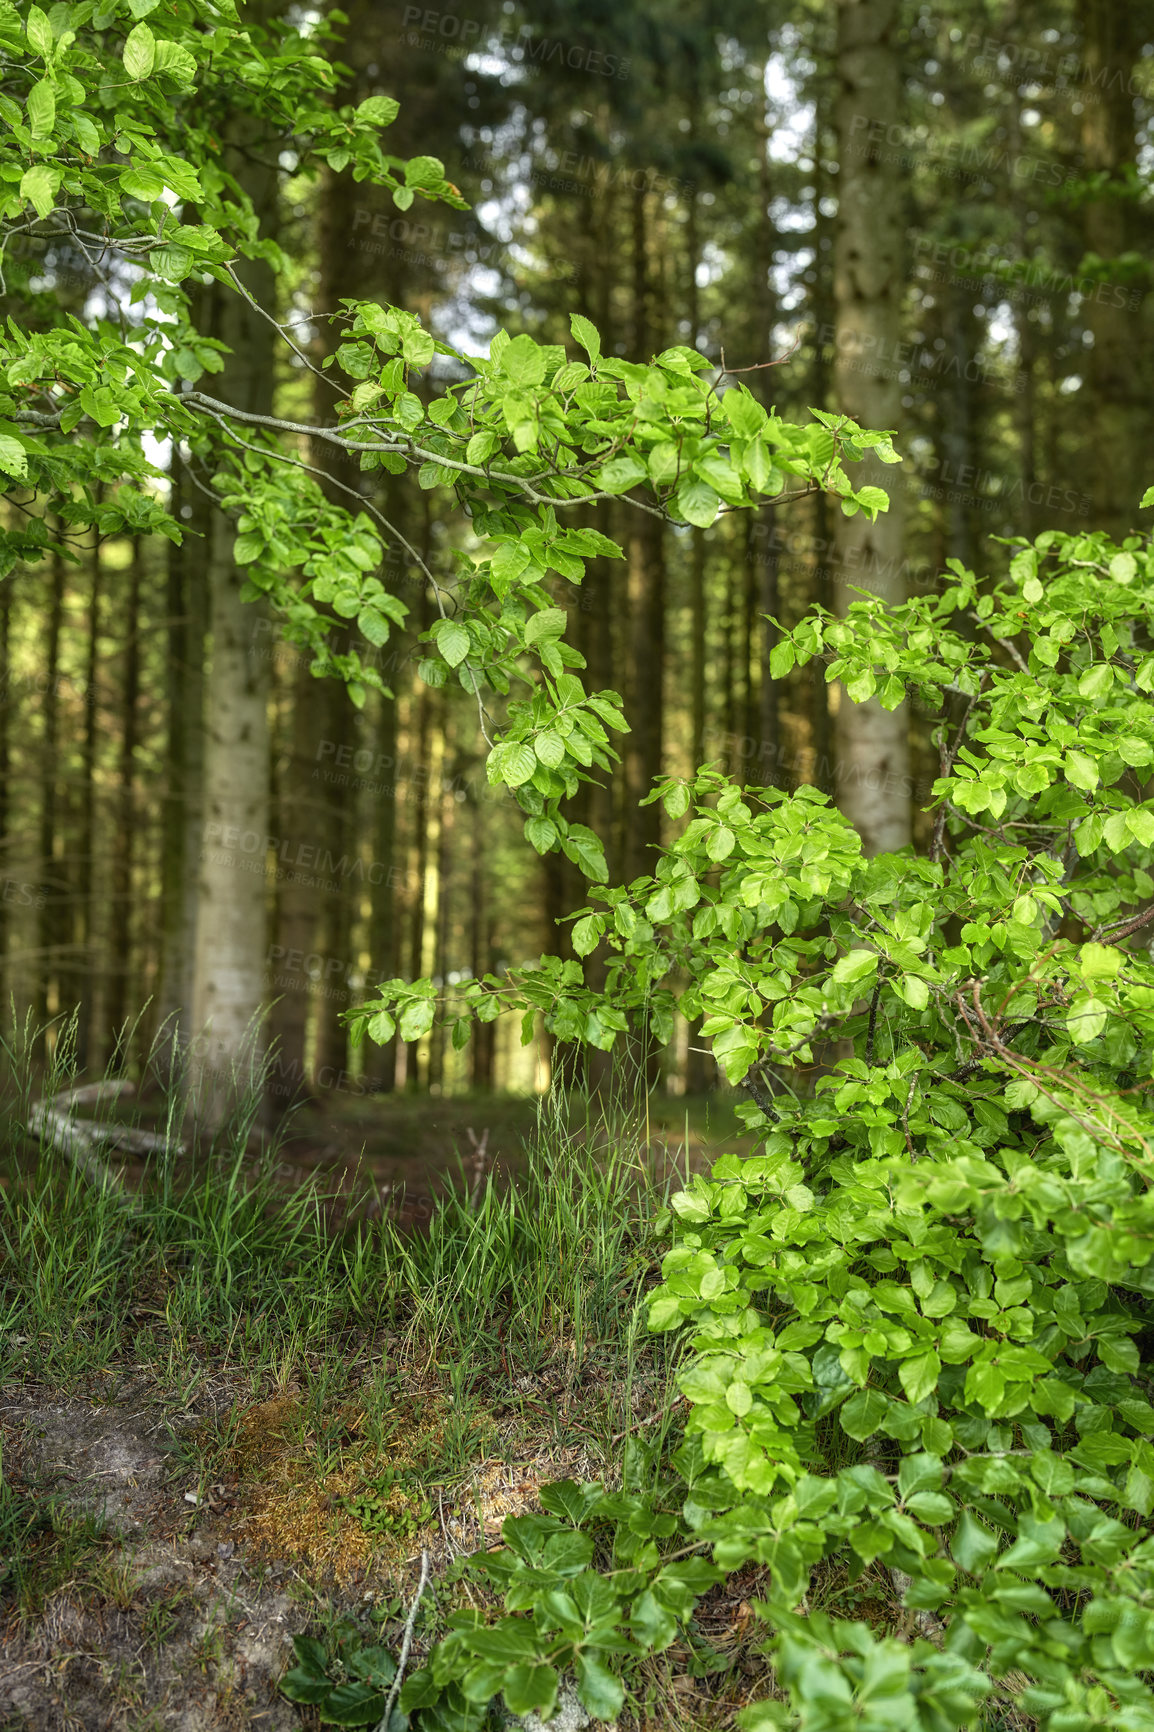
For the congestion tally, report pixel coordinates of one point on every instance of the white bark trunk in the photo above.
(232, 892)
(873, 780)
(231, 931)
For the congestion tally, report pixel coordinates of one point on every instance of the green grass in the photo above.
(514, 1318)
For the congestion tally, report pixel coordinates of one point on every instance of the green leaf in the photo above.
(696, 502)
(518, 761)
(854, 966)
(13, 457)
(973, 1547)
(720, 843)
(620, 474)
(550, 623)
(176, 62)
(1099, 961)
(452, 640)
(1081, 771)
(509, 561)
(524, 361)
(531, 1689)
(39, 32)
(863, 1413)
(42, 109)
(356, 1704)
(586, 935)
(916, 993)
(542, 833)
(300, 1685)
(139, 52)
(417, 1018)
(600, 1692)
(378, 110)
(919, 1376)
(586, 334)
(38, 185)
(1086, 1019)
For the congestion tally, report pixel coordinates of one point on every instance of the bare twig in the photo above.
(760, 366)
(871, 1032)
(406, 1644)
(1123, 928)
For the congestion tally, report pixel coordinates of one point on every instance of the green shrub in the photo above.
(917, 1314)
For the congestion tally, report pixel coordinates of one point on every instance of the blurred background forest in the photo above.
(670, 169)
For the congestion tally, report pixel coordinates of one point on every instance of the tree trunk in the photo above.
(381, 1062)
(53, 890)
(231, 929)
(873, 743)
(183, 815)
(305, 769)
(6, 710)
(1117, 382)
(90, 1031)
(124, 833)
(482, 960)
(646, 553)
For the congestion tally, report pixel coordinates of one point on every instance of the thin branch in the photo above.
(1123, 928)
(406, 1644)
(280, 329)
(760, 366)
(873, 1024)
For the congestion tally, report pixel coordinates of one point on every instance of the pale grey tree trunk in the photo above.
(231, 949)
(873, 778)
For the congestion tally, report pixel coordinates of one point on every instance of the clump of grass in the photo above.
(508, 1328)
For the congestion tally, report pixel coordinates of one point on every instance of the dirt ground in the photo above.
(158, 1621)
(157, 1601)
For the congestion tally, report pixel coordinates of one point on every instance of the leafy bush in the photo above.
(918, 1312)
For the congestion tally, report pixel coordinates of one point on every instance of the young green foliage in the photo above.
(917, 1313)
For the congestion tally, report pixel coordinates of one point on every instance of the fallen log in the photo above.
(81, 1140)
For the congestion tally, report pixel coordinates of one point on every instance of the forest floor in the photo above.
(229, 1418)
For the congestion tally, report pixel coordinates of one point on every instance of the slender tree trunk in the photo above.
(52, 888)
(1118, 384)
(873, 743)
(481, 960)
(343, 895)
(442, 950)
(231, 932)
(381, 1062)
(90, 1042)
(822, 592)
(422, 796)
(305, 769)
(6, 711)
(183, 815)
(124, 834)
